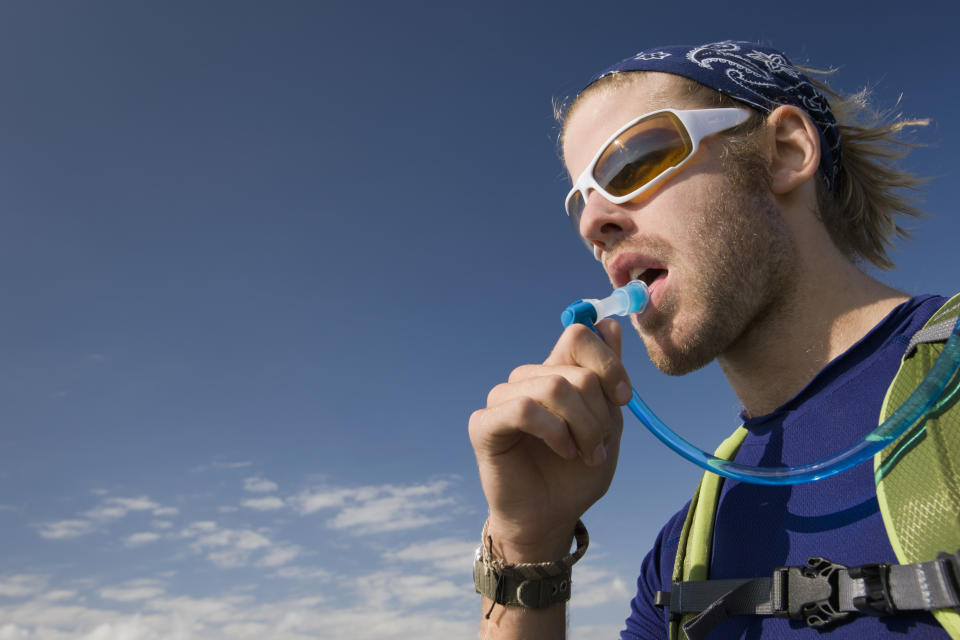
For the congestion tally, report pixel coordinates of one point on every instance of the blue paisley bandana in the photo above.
(762, 77)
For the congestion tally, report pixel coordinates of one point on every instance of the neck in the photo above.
(832, 306)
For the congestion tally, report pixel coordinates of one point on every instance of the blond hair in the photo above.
(862, 213)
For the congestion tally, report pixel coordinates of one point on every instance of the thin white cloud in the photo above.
(259, 484)
(241, 539)
(446, 555)
(280, 555)
(595, 586)
(196, 528)
(214, 610)
(379, 509)
(227, 548)
(66, 529)
(267, 503)
(132, 591)
(220, 465)
(392, 588)
(141, 538)
(301, 573)
(109, 510)
(312, 501)
(106, 512)
(391, 513)
(114, 508)
(19, 585)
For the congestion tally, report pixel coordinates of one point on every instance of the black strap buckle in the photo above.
(808, 593)
(951, 566)
(877, 600)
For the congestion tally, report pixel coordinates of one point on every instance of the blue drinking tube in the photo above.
(633, 298)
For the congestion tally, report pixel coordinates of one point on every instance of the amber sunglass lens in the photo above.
(575, 206)
(641, 153)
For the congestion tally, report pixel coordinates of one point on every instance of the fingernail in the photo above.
(599, 455)
(624, 392)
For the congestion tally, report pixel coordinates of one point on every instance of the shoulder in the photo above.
(646, 620)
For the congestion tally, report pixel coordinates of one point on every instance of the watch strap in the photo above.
(534, 585)
(533, 593)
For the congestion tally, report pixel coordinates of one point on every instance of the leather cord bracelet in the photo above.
(534, 585)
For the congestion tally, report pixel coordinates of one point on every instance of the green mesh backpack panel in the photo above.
(918, 475)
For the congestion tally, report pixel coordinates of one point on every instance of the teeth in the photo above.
(635, 274)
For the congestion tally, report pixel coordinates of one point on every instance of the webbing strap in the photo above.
(696, 538)
(938, 332)
(820, 593)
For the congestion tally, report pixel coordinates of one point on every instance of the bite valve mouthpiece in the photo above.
(630, 298)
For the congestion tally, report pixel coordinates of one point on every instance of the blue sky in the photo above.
(262, 260)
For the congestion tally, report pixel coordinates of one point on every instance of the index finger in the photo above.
(579, 346)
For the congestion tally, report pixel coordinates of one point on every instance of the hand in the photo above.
(547, 441)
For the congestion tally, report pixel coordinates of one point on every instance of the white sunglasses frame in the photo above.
(699, 123)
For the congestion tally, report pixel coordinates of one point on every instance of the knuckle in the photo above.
(588, 381)
(526, 409)
(556, 386)
(498, 394)
(518, 373)
(475, 422)
(476, 418)
(578, 331)
(571, 335)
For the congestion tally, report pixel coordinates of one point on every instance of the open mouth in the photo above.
(649, 275)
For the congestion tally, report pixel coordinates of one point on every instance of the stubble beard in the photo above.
(741, 267)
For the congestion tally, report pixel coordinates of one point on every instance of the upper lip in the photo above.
(621, 265)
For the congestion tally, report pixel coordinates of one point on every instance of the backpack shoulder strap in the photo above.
(692, 561)
(918, 475)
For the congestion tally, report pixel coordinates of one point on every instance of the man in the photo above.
(745, 209)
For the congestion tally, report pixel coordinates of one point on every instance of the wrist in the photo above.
(517, 544)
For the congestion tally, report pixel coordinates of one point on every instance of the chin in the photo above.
(679, 363)
(677, 358)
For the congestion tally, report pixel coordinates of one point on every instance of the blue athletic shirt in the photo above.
(760, 527)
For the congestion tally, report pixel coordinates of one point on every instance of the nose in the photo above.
(602, 223)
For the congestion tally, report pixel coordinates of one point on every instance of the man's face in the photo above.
(716, 256)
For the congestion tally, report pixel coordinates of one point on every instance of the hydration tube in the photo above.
(634, 297)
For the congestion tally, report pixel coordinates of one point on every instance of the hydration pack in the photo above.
(918, 490)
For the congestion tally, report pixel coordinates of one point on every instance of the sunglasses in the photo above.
(645, 152)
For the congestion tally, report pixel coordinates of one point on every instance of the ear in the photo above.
(795, 152)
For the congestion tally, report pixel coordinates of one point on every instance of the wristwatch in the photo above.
(533, 593)
(534, 585)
